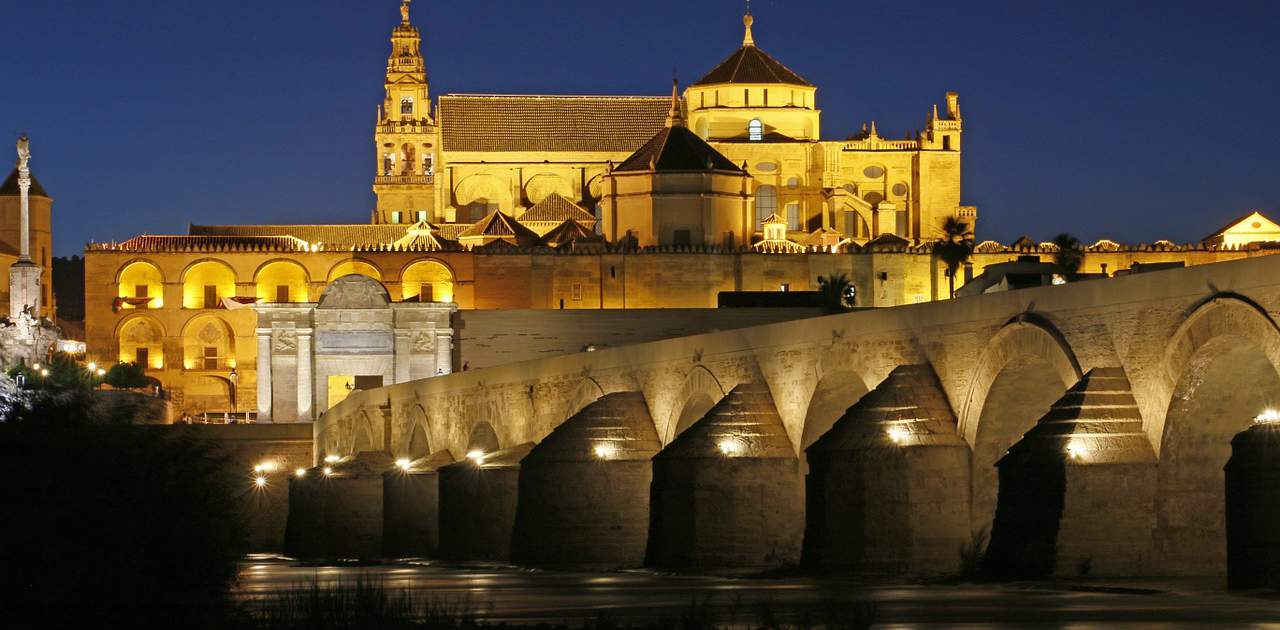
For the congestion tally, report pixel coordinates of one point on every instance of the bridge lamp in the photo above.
(35, 366)
(476, 456)
(606, 450)
(260, 481)
(898, 435)
(300, 473)
(93, 367)
(730, 447)
(102, 372)
(403, 463)
(332, 459)
(44, 372)
(267, 467)
(328, 471)
(1075, 450)
(1268, 416)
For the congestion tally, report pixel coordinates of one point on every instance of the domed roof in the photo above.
(749, 64)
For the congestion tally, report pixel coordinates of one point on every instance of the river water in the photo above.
(509, 594)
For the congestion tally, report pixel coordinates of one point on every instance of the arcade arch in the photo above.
(141, 341)
(282, 281)
(426, 281)
(140, 285)
(206, 283)
(355, 267)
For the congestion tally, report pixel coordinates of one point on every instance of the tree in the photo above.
(127, 375)
(954, 248)
(837, 293)
(1070, 254)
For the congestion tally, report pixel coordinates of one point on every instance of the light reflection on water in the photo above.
(514, 595)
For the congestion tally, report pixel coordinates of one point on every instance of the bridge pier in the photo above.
(727, 491)
(888, 486)
(411, 508)
(338, 514)
(1253, 508)
(1077, 493)
(478, 498)
(584, 490)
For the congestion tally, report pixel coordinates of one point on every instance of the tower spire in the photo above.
(404, 11)
(747, 21)
(674, 117)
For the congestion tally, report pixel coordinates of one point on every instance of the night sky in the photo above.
(1132, 120)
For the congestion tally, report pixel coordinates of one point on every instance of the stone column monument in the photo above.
(24, 275)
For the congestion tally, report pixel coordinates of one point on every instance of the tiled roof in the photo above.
(549, 123)
(676, 148)
(568, 232)
(10, 186)
(556, 209)
(183, 243)
(752, 65)
(422, 237)
(499, 225)
(330, 235)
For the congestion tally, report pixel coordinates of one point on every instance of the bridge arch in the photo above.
(483, 438)
(840, 380)
(700, 392)
(362, 440)
(588, 391)
(1223, 366)
(1026, 366)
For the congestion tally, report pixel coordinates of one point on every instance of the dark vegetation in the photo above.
(106, 524)
(127, 375)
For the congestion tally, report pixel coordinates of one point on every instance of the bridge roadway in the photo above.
(868, 440)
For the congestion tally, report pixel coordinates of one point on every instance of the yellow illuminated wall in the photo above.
(204, 274)
(427, 272)
(359, 267)
(339, 388)
(202, 333)
(282, 273)
(141, 278)
(142, 332)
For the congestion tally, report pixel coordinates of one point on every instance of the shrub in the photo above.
(127, 375)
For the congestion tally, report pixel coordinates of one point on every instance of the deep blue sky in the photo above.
(1133, 120)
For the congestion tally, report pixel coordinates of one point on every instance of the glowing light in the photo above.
(267, 467)
(730, 447)
(606, 450)
(476, 456)
(93, 367)
(1075, 450)
(44, 372)
(332, 459)
(403, 463)
(35, 366)
(300, 473)
(101, 372)
(260, 481)
(327, 471)
(1270, 415)
(898, 435)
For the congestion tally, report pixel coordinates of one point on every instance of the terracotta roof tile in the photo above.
(330, 235)
(184, 243)
(677, 149)
(549, 123)
(752, 65)
(556, 209)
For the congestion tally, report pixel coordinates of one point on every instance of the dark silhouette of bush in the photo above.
(111, 525)
(127, 375)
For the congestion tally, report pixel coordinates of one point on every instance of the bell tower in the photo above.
(405, 133)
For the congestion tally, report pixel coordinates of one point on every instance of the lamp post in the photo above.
(235, 378)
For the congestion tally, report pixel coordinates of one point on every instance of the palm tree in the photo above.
(1070, 254)
(837, 293)
(954, 248)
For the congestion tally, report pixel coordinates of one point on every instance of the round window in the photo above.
(1257, 225)
(766, 167)
(873, 197)
(794, 182)
(874, 172)
(899, 190)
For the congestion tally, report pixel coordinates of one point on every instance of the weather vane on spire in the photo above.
(747, 21)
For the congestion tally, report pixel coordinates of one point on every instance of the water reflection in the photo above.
(508, 594)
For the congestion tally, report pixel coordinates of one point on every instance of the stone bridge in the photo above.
(900, 419)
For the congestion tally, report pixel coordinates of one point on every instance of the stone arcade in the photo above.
(1128, 392)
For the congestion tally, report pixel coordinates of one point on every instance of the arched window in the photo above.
(766, 202)
(427, 281)
(388, 163)
(755, 130)
(406, 105)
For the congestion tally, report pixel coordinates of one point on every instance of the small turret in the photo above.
(674, 116)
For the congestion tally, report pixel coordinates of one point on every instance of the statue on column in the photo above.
(404, 11)
(24, 152)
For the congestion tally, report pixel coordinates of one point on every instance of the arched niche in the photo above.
(541, 186)
(140, 285)
(282, 281)
(426, 281)
(355, 267)
(141, 340)
(206, 283)
(208, 344)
